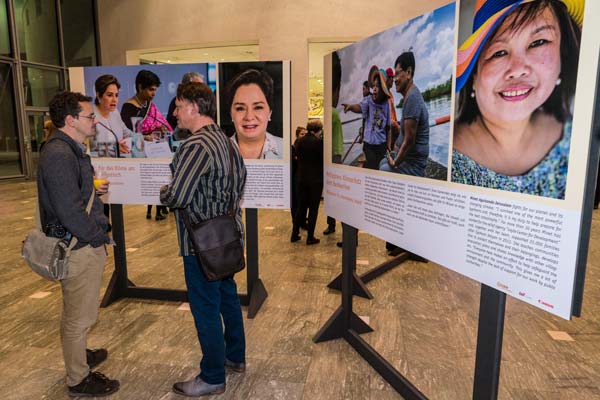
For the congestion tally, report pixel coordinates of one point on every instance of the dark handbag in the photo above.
(217, 242)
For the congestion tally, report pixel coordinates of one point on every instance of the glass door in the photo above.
(10, 146)
(37, 137)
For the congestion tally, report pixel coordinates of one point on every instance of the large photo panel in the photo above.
(515, 82)
(251, 107)
(137, 133)
(397, 78)
(137, 99)
(254, 109)
(520, 232)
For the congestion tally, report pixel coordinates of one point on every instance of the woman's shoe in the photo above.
(148, 216)
(312, 240)
(159, 217)
(329, 230)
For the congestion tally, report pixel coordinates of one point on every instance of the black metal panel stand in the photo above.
(588, 201)
(343, 318)
(492, 305)
(256, 291)
(121, 287)
(347, 325)
(359, 288)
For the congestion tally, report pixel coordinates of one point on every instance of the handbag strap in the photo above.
(38, 219)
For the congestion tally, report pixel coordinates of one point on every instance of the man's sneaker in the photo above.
(94, 385)
(95, 357)
(197, 387)
(235, 367)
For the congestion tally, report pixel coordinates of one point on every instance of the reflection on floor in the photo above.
(424, 317)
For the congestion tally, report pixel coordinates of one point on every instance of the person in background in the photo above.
(309, 150)
(337, 135)
(65, 182)
(178, 133)
(249, 100)
(300, 132)
(152, 123)
(49, 130)
(201, 185)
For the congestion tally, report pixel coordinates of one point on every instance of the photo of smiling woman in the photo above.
(516, 78)
(249, 102)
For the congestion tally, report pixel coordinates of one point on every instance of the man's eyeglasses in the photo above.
(92, 116)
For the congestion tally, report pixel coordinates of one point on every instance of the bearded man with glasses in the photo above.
(65, 185)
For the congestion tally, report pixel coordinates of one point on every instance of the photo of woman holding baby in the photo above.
(516, 77)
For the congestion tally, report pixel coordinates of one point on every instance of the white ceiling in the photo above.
(316, 52)
(202, 55)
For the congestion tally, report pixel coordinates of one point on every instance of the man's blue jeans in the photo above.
(208, 302)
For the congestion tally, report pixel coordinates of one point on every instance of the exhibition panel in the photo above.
(496, 206)
(136, 177)
(134, 150)
(513, 226)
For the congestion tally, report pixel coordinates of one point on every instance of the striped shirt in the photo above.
(201, 183)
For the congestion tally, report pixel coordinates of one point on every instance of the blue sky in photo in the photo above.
(431, 37)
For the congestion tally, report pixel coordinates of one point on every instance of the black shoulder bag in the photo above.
(217, 242)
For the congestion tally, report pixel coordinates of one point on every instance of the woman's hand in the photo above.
(390, 159)
(123, 148)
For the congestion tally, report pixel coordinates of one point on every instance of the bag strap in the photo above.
(88, 209)
(38, 220)
(231, 155)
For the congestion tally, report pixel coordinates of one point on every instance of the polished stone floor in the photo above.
(424, 316)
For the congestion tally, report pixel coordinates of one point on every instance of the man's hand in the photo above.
(103, 187)
(346, 107)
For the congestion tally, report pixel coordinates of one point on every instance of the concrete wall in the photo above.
(282, 28)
